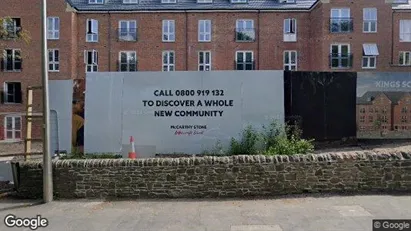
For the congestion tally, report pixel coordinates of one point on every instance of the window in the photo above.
(53, 28)
(238, 1)
(204, 61)
(370, 53)
(91, 60)
(128, 61)
(169, 31)
(404, 119)
(371, 110)
(370, 20)
(369, 62)
(11, 27)
(362, 110)
(130, 1)
(204, 30)
(370, 119)
(290, 30)
(384, 110)
(127, 31)
(204, 1)
(92, 30)
(340, 21)
(168, 1)
(290, 60)
(54, 60)
(405, 58)
(362, 119)
(12, 92)
(245, 30)
(244, 60)
(95, 1)
(168, 61)
(12, 60)
(404, 110)
(404, 127)
(340, 56)
(405, 30)
(12, 128)
(384, 119)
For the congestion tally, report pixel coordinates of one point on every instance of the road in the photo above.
(325, 213)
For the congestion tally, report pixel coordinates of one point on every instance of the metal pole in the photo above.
(47, 168)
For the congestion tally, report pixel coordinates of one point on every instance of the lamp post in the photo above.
(47, 168)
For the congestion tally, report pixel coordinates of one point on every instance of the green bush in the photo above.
(91, 156)
(247, 144)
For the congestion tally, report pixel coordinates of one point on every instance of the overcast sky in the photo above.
(383, 81)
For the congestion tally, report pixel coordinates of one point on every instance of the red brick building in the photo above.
(168, 35)
(378, 111)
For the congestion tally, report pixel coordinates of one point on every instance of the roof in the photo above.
(369, 96)
(151, 5)
(403, 6)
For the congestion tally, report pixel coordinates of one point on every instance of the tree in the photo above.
(9, 30)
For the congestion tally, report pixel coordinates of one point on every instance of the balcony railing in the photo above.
(342, 61)
(10, 33)
(127, 34)
(341, 25)
(127, 66)
(245, 35)
(244, 66)
(8, 65)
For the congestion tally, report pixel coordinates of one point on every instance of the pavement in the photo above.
(319, 213)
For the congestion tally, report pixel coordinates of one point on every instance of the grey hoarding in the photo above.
(178, 112)
(384, 105)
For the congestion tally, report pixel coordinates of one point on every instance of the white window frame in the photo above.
(288, 63)
(95, 1)
(170, 66)
(129, 31)
(6, 92)
(93, 66)
(128, 62)
(53, 29)
(204, 35)
(204, 1)
(241, 27)
(53, 63)
(289, 34)
(405, 30)
(13, 129)
(366, 62)
(339, 55)
(404, 55)
(171, 34)
(239, 1)
(369, 20)
(204, 64)
(168, 1)
(130, 1)
(93, 35)
(245, 62)
(13, 60)
(339, 17)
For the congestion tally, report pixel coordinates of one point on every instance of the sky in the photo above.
(383, 81)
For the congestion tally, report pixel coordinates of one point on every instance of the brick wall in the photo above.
(236, 176)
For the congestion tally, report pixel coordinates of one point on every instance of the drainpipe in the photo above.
(258, 43)
(186, 35)
(109, 41)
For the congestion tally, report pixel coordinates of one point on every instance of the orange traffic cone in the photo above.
(132, 153)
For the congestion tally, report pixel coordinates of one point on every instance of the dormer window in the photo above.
(238, 1)
(168, 1)
(130, 1)
(95, 1)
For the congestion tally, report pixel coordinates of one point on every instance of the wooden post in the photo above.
(27, 146)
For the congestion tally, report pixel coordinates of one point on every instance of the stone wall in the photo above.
(236, 176)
